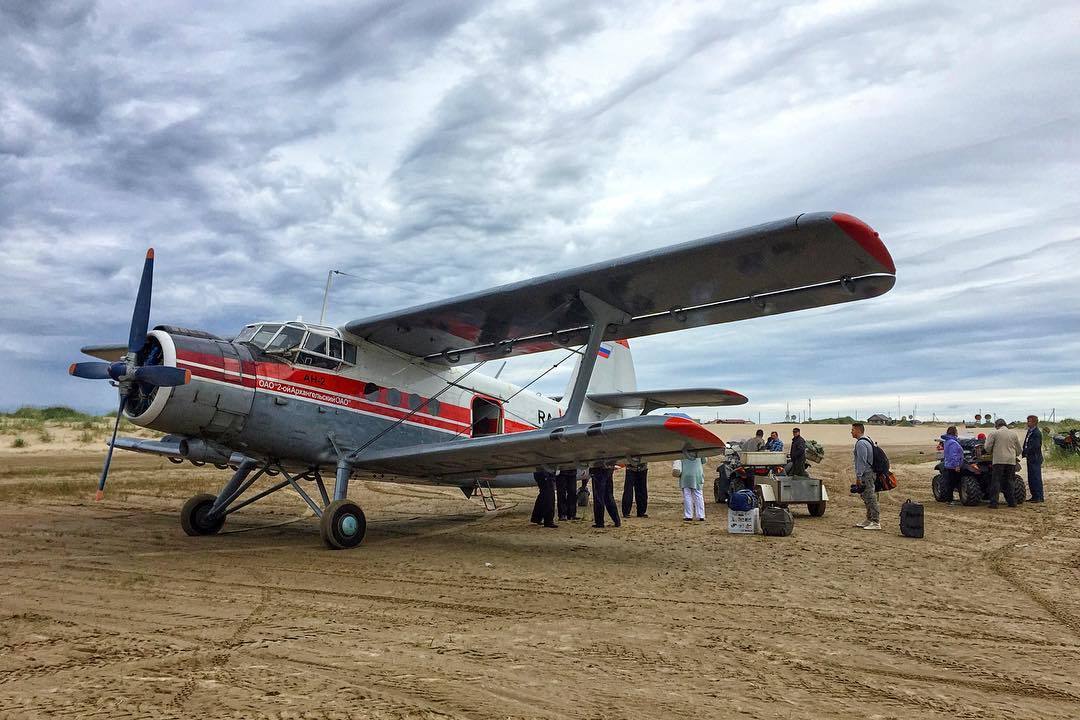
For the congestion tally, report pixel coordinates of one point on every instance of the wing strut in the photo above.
(602, 315)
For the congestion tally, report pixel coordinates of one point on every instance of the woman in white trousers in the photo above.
(691, 476)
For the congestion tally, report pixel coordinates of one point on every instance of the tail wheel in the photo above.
(940, 486)
(817, 509)
(970, 490)
(194, 516)
(343, 525)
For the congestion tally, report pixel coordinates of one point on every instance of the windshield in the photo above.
(265, 333)
(288, 339)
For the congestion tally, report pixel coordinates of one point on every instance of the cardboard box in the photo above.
(743, 522)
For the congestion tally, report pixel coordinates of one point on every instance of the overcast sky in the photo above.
(436, 148)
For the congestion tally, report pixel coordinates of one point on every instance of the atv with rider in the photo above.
(1068, 441)
(974, 485)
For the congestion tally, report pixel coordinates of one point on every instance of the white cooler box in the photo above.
(743, 522)
(762, 457)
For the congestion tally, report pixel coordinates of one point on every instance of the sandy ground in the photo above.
(109, 610)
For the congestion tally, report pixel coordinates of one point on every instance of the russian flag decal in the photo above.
(604, 351)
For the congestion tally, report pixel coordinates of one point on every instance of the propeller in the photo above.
(128, 373)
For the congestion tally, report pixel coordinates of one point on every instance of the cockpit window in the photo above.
(316, 343)
(247, 333)
(264, 334)
(288, 339)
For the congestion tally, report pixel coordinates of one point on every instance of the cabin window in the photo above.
(316, 343)
(433, 406)
(394, 397)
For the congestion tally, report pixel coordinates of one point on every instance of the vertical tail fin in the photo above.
(614, 372)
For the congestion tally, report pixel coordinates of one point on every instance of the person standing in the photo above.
(636, 488)
(544, 507)
(798, 452)
(691, 474)
(755, 443)
(774, 443)
(952, 460)
(1032, 452)
(865, 478)
(1004, 446)
(566, 493)
(603, 496)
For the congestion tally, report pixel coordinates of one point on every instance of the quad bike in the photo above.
(974, 485)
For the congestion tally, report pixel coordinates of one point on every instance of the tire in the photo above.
(193, 516)
(1019, 489)
(816, 509)
(942, 491)
(970, 490)
(343, 525)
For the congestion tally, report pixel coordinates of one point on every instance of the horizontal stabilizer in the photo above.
(109, 353)
(645, 438)
(649, 400)
(150, 447)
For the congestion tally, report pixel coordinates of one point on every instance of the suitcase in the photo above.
(583, 497)
(777, 522)
(911, 519)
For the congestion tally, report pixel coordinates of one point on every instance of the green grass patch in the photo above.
(1060, 459)
(56, 413)
(18, 443)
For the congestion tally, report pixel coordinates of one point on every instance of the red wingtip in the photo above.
(71, 369)
(691, 429)
(99, 495)
(150, 254)
(866, 236)
(187, 377)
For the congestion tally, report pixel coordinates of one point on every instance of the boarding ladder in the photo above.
(483, 490)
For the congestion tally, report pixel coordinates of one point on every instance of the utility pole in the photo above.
(809, 408)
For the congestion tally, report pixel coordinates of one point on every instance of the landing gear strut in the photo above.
(342, 523)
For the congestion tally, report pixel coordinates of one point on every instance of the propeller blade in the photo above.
(90, 370)
(108, 456)
(140, 318)
(162, 376)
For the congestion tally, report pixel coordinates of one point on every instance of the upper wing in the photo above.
(802, 262)
(648, 438)
(653, 399)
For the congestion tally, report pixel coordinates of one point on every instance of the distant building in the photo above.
(879, 419)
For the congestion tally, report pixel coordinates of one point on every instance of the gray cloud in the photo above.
(432, 149)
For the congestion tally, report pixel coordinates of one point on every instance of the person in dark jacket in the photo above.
(566, 493)
(1032, 451)
(603, 496)
(636, 487)
(798, 452)
(544, 507)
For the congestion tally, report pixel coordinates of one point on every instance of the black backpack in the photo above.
(879, 462)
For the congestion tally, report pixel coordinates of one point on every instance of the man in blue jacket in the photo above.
(1033, 452)
(952, 460)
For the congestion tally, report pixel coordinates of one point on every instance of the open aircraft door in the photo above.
(488, 416)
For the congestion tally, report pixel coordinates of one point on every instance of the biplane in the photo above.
(399, 397)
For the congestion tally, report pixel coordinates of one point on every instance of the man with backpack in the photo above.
(865, 477)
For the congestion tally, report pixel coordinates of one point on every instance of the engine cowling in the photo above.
(215, 404)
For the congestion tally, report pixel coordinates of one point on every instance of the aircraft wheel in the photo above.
(193, 516)
(970, 490)
(342, 525)
(176, 460)
(942, 491)
(1019, 489)
(816, 509)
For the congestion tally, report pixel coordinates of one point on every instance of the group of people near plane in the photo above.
(559, 493)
